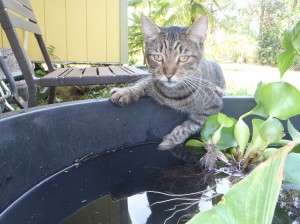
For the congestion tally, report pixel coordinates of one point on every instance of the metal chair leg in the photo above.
(51, 95)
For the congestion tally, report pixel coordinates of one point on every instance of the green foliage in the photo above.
(291, 168)
(279, 99)
(247, 203)
(40, 73)
(253, 199)
(135, 40)
(196, 147)
(213, 124)
(234, 36)
(230, 47)
(273, 15)
(276, 100)
(51, 51)
(291, 45)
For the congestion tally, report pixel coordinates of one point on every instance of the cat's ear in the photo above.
(198, 29)
(150, 29)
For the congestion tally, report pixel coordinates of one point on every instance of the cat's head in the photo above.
(173, 53)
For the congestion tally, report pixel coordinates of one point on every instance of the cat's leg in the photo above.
(124, 96)
(179, 134)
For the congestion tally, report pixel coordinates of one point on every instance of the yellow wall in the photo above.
(80, 30)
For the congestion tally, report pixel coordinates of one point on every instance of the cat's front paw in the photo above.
(120, 96)
(166, 144)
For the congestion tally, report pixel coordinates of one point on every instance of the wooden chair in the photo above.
(19, 14)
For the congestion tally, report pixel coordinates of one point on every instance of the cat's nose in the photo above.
(169, 71)
(169, 76)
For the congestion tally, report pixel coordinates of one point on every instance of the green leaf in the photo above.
(292, 169)
(295, 135)
(257, 92)
(271, 130)
(269, 152)
(227, 139)
(225, 121)
(285, 60)
(257, 143)
(257, 110)
(294, 34)
(296, 149)
(256, 123)
(195, 146)
(211, 125)
(253, 199)
(291, 43)
(216, 136)
(280, 99)
(241, 134)
(286, 41)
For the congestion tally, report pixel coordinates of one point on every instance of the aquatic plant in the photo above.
(227, 141)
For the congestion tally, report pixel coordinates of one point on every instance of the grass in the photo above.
(243, 78)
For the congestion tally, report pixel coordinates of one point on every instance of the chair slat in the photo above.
(90, 76)
(137, 70)
(105, 75)
(25, 3)
(117, 70)
(122, 75)
(52, 79)
(73, 78)
(13, 5)
(104, 71)
(20, 23)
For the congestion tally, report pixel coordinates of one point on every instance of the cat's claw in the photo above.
(119, 96)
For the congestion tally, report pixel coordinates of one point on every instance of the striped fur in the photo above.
(181, 79)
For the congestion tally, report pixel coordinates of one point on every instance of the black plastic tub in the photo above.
(49, 166)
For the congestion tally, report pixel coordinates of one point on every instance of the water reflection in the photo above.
(137, 209)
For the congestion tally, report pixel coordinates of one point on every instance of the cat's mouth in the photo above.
(170, 83)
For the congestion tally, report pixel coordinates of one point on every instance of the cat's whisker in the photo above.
(198, 83)
(201, 80)
(186, 85)
(199, 89)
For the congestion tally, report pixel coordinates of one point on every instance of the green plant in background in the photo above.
(40, 73)
(51, 51)
(234, 35)
(228, 140)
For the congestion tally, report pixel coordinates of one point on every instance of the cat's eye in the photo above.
(158, 57)
(184, 58)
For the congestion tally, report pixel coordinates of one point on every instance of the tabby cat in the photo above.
(180, 79)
